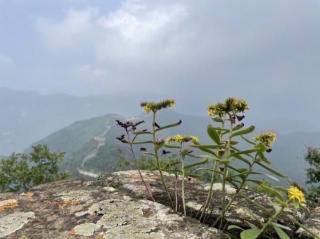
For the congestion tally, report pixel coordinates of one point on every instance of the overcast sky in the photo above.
(267, 51)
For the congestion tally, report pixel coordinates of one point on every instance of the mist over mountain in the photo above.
(27, 116)
(91, 146)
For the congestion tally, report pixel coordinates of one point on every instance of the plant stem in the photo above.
(157, 158)
(182, 189)
(225, 173)
(223, 194)
(210, 193)
(305, 228)
(147, 187)
(271, 219)
(241, 186)
(176, 190)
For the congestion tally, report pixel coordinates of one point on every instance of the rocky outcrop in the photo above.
(116, 206)
(312, 222)
(83, 209)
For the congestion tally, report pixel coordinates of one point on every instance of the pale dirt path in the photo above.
(100, 141)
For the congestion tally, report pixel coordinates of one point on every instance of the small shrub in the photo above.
(19, 172)
(313, 175)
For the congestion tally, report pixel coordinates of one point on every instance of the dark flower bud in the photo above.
(240, 117)
(138, 123)
(156, 124)
(233, 119)
(164, 152)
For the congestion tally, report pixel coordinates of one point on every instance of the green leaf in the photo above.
(260, 147)
(233, 142)
(247, 152)
(196, 164)
(230, 227)
(213, 133)
(208, 146)
(169, 126)
(280, 232)
(252, 233)
(171, 146)
(218, 120)
(263, 158)
(243, 131)
(141, 132)
(205, 149)
(238, 156)
(247, 140)
(143, 142)
(273, 171)
(237, 127)
(270, 190)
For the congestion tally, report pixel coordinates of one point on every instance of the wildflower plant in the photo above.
(130, 127)
(181, 141)
(156, 143)
(232, 144)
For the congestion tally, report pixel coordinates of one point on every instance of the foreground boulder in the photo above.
(255, 209)
(116, 206)
(84, 209)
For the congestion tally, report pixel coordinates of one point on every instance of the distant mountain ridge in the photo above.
(89, 145)
(96, 139)
(27, 116)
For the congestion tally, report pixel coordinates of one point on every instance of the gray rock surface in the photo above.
(116, 207)
(77, 209)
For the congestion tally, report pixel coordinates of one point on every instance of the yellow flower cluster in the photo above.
(295, 194)
(156, 106)
(216, 110)
(266, 138)
(183, 139)
(231, 105)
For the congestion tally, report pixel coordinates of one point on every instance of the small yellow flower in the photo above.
(179, 138)
(235, 105)
(241, 106)
(182, 139)
(156, 106)
(195, 139)
(231, 105)
(147, 108)
(267, 138)
(295, 194)
(216, 110)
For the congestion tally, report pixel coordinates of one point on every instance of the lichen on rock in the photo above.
(13, 222)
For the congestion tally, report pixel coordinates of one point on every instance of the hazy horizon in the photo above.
(198, 52)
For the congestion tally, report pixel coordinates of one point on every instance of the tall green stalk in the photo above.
(226, 158)
(182, 182)
(137, 166)
(210, 193)
(240, 187)
(156, 155)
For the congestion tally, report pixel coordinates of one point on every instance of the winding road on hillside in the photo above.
(100, 141)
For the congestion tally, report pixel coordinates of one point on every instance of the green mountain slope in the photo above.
(90, 145)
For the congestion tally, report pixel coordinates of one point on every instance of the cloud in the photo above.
(74, 30)
(209, 49)
(6, 60)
